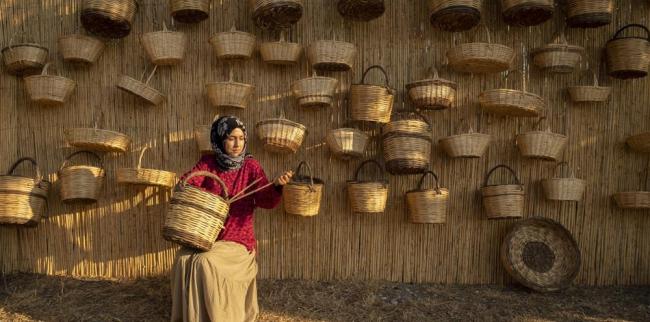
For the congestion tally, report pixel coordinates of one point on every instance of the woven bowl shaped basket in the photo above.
(543, 145)
(302, 196)
(195, 217)
(49, 90)
(510, 102)
(589, 13)
(368, 197)
(541, 254)
(428, 206)
(280, 52)
(229, 94)
(202, 138)
(190, 11)
(558, 56)
(280, 135)
(165, 48)
(371, 103)
(24, 59)
(275, 14)
(406, 142)
(589, 94)
(564, 188)
(108, 18)
(361, 10)
(331, 55)
(640, 142)
(503, 201)
(146, 177)
(633, 199)
(466, 145)
(628, 57)
(455, 15)
(526, 13)
(78, 48)
(315, 91)
(479, 57)
(347, 143)
(97, 139)
(23, 200)
(81, 183)
(141, 90)
(233, 44)
(433, 93)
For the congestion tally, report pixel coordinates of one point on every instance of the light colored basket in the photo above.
(590, 94)
(510, 102)
(628, 57)
(230, 93)
(141, 89)
(406, 142)
(480, 57)
(428, 206)
(77, 48)
(455, 15)
(315, 91)
(147, 177)
(589, 13)
(503, 201)
(466, 145)
(331, 55)
(109, 19)
(281, 52)
(433, 93)
(97, 140)
(526, 13)
(81, 183)
(165, 47)
(233, 44)
(633, 199)
(302, 196)
(280, 135)
(368, 196)
(23, 200)
(347, 143)
(361, 10)
(276, 14)
(24, 58)
(558, 56)
(190, 11)
(544, 145)
(371, 103)
(640, 142)
(564, 188)
(49, 90)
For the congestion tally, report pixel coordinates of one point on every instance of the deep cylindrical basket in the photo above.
(229, 94)
(640, 142)
(590, 94)
(544, 145)
(361, 10)
(147, 177)
(433, 93)
(281, 52)
(302, 196)
(97, 139)
(141, 89)
(49, 90)
(503, 201)
(455, 15)
(558, 56)
(633, 199)
(233, 44)
(202, 138)
(466, 145)
(628, 57)
(194, 216)
(81, 183)
(428, 206)
(275, 14)
(331, 55)
(25, 58)
(190, 11)
(77, 48)
(368, 196)
(108, 18)
(480, 57)
(406, 142)
(347, 143)
(564, 188)
(165, 47)
(526, 13)
(280, 135)
(315, 91)
(589, 13)
(23, 200)
(371, 103)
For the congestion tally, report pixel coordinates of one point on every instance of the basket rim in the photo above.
(211, 84)
(59, 77)
(564, 179)
(281, 43)
(590, 87)
(460, 46)
(429, 189)
(157, 92)
(339, 42)
(559, 48)
(488, 136)
(638, 192)
(68, 130)
(80, 35)
(432, 81)
(537, 132)
(26, 44)
(233, 32)
(24, 177)
(511, 91)
(306, 79)
(281, 120)
(163, 32)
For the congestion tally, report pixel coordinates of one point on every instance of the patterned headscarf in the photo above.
(221, 129)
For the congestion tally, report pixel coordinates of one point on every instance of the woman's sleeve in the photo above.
(269, 197)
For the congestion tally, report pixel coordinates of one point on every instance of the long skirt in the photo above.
(217, 285)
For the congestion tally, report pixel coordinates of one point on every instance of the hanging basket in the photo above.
(503, 201)
(361, 10)
(331, 55)
(510, 102)
(455, 15)
(466, 145)
(97, 140)
(23, 200)
(564, 188)
(165, 47)
(590, 94)
(526, 13)
(428, 206)
(108, 18)
(368, 196)
(589, 13)
(141, 89)
(147, 177)
(190, 11)
(281, 52)
(230, 93)
(558, 56)
(480, 57)
(371, 103)
(628, 57)
(633, 199)
(275, 14)
(233, 44)
(640, 142)
(433, 93)
(49, 90)
(81, 183)
(195, 217)
(544, 145)
(302, 196)
(78, 48)
(24, 58)
(406, 142)
(315, 91)
(347, 143)
(202, 137)
(541, 254)
(280, 135)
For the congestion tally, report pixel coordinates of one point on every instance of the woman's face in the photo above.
(234, 143)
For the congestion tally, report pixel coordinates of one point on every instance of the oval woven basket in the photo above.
(455, 15)
(564, 188)
(97, 140)
(147, 177)
(331, 55)
(589, 13)
(640, 142)
(371, 103)
(544, 145)
(590, 94)
(368, 196)
(361, 10)
(480, 57)
(280, 135)
(541, 254)
(628, 57)
(141, 89)
(347, 143)
(202, 138)
(49, 90)
(302, 196)
(195, 217)
(109, 19)
(230, 93)
(558, 56)
(406, 142)
(23, 200)
(315, 91)
(24, 58)
(81, 183)
(276, 14)
(233, 44)
(503, 201)
(281, 52)
(428, 206)
(526, 13)
(633, 199)
(466, 145)
(510, 102)
(190, 11)
(77, 48)
(432, 93)
(165, 47)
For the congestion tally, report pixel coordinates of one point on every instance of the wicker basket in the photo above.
(361, 10)
(590, 94)
(230, 93)
(281, 52)
(274, 14)
(97, 140)
(589, 13)
(633, 199)
(480, 57)
(544, 145)
(315, 91)
(147, 177)
(558, 56)
(195, 217)
(81, 183)
(233, 44)
(77, 48)
(428, 206)
(407, 143)
(433, 93)
(371, 103)
(628, 57)
(368, 196)
(541, 254)
(302, 196)
(455, 15)
(108, 18)
(466, 145)
(23, 200)
(564, 188)
(510, 102)
(503, 201)
(190, 11)
(347, 143)
(165, 47)
(49, 90)
(331, 55)
(202, 137)
(640, 142)
(526, 13)
(280, 135)
(141, 89)
(24, 58)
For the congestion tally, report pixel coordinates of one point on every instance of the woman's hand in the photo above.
(283, 179)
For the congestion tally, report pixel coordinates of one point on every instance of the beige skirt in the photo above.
(217, 285)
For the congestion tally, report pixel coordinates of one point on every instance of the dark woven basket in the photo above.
(274, 14)
(362, 10)
(527, 14)
(589, 13)
(457, 18)
(190, 11)
(108, 18)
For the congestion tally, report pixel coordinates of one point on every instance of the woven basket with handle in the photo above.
(633, 199)
(455, 15)
(274, 14)
(503, 201)
(628, 57)
(302, 196)
(24, 58)
(49, 90)
(433, 93)
(141, 89)
(81, 183)
(233, 44)
(558, 56)
(147, 177)
(190, 11)
(230, 93)
(511, 102)
(564, 188)
(428, 206)
(331, 55)
(202, 137)
(315, 91)
(96, 139)
(526, 13)
(406, 142)
(368, 196)
(108, 18)
(544, 145)
(281, 52)
(480, 57)
(23, 200)
(347, 142)
(78, 48)
(361, 10)
(589, 13)
(280, 135)
(371, 103)
(466, 145)
(590, 94)
(165, 47)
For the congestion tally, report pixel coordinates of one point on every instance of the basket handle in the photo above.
(435, 178)
(383, 71)
(91, 153)
(311, 177)
(11, 40)
(592, 73)
(523, 78)
(13, 167)
(155, 67)
(567, 166)
(44, 70)
(432, 72)
(489, 174)
(632, 25)
(283, 36)
(371, 161)
(141, 155)
(487, 32)
(224, 189)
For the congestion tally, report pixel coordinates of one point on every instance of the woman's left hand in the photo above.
(284, 178)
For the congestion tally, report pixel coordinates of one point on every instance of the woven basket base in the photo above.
(458, 18)
(424, 219)
(99, 24)
(190, 16)
(496, 217)
(315, 102)
(348, 155)
(439, 104)
(85, 201)
(589, 20)
(277, 15)
(21, 221)
(406, 166)
(510, 110)
(278, 148)
(366, 11)
(480, 65)
(628, 74)
(527, 15)
(332, 67)
(539, 157)
(48, 101)
(185, 239)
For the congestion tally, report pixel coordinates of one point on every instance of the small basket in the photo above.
(230, 93)
(428, 206)
(78, 48)
(466, 145)
(558, 56)
(480, 57)
(455, 15)
(510, 102)
(347, 143)
(141, 89)
(195, 217)
(23, 200)
(628, 57)
(49, 90)
(202, 137)
(541, 254)
(190, 11)
(233, 44)
(281, 52)
(361, 10)
(544, 145)
(315, 91)
(368, 196)
(589, 13)
(633, 199)
(165, 47)
(371, 103)
(302, 196)
(331, 55)
(280, 135)
(406, 142)
(81, 183)
(503, 201)
(147, 177)
(564, 188)
(590, 94)
(526, 13)
(97, 140)
(24, 58)
(275, 14)
(108, 18)
(640, 142)
(433, 93)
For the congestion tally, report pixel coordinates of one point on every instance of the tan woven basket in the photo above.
(558, 56)
(480, 57)
(628, 57)
(49, 90)
(633, 199)
(23, 200)
(544, 145)
(233, 44)
(466, 145)
(195, 217)
(433, 93)
(406, 142)
(97, 140)
(455, 15)
(503, 201)
(315, 91)
(78, 48)
(141, 89)
(190, 11)
(564, 188)
(81, 183)
(276, 14)
(302, 196)
(108, 18)
(428, 206)
(280, 135)
(589, 13)
(640, 142)
(24, 58)
(526, 13)
(371, 103)
(165, 47)
(147, 177)
(331, 55)
(347, 143)
(202, 137)
(368, 196)
(510, 102)
(361, 10)
(230, 93)
(281, 52)
(590, 94)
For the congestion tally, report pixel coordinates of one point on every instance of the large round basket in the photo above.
(526, 13)
(195, 217)
(633, 199)
(640, 142)
(428, 206)
(590, 94)
(368, 196)
(433, 93)
(347, 143)
(564, 188)
(302, 196)
(233, 44)
(406, 142)
(315, 91)
(141, 89)
(628, 57)
(510, 102)
(455, 15)
(77, 48)
(146, 177)
(589, 13)
(503, 201)
(331, 55)
(165, 47)
(541, 254)
(97, 140)
(23, 200)
(49, 90)
(274, 14)
(230, 93)
(81, 183)
(371, 103)
(544, 145)
(281, 52)
(480, 57)
(361, 10)
(280, 135)
(466, 145)
(190, 11)
(558, 56)
(108, 18)
(24, 58)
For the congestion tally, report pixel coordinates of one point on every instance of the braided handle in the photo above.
(224, 189)
(371, 161)
(489, 174)
(13, 167)
(435, 178)
(383, 71)
(91, 153)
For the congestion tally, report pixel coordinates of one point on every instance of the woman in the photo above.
(220, 285)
